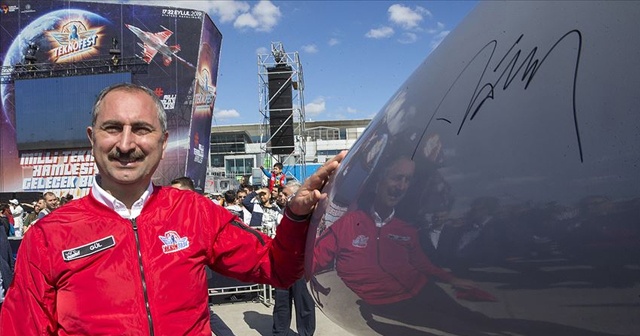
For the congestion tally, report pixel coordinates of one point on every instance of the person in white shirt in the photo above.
(17, 211)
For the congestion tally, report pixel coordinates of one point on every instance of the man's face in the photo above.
(241, 195)
(394, 184)
(51, 202)
(264, 197)
(282, 199)
(41, 205)
(127, 140)
(277, 170)
(287, 193)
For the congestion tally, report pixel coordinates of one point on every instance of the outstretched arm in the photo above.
(265, 172)
(288, 247)
(305, 200)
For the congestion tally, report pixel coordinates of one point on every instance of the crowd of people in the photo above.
(260, 206)
(263, 207)
(17, 216)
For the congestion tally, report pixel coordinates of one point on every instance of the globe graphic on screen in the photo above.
(497, 192)
(35, 34)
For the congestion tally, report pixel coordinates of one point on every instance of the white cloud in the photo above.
(435, 41)
(226, 11)
(439, 27)
(268, 14)
(226, 114)
(246, 20)
(406, 17)
(262, 17)
(408, 38)
(382, 32)
(310, 48)
(351, 110)
(263, 51)
(333, 41)
(316, 107)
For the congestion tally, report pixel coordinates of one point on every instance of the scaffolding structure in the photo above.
(86, 67)
(290, 65)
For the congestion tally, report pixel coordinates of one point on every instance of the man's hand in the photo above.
(310, 192)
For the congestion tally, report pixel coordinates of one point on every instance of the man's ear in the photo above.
(90, 135)
(165, 142)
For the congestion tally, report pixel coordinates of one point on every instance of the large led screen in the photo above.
(55, 112)
(172, 51)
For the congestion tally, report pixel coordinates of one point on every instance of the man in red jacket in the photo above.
(378, 256)
(129, 258)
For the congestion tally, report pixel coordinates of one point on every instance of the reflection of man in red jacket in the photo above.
(379, 257)
(129, 258)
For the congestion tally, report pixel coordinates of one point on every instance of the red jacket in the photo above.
(84, 270)
(381, 265)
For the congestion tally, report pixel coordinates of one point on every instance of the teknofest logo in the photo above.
(73, 41)
(205, 92)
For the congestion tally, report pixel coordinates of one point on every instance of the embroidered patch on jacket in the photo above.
(88, 249)
(399, 238)
(360, 241)
(173, 242)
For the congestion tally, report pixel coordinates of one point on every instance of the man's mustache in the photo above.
(133, 155)
(397, 193)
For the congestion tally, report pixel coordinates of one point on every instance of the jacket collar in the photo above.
(114, 204)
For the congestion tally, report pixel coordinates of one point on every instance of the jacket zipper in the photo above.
(144, 283)
(391, 274)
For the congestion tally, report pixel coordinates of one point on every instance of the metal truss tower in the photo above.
(287, 67)
(32, 70)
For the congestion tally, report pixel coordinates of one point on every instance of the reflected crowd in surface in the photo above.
(513, 245)
(512, 218)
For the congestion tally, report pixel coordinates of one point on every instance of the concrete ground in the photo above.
(557, 308)
(254, 318)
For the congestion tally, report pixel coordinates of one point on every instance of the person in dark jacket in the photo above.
(6, 264)
(4, 220)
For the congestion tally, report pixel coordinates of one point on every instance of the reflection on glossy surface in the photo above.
(498, 192)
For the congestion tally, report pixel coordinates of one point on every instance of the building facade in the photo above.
(237, 151)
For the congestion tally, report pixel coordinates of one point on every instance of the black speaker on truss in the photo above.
(281, 109)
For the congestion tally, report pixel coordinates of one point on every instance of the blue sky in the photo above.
(354, 54)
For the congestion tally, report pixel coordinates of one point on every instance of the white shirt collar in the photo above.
(379, 221)
(107, 199)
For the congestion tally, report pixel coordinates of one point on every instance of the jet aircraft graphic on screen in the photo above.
(153, 43)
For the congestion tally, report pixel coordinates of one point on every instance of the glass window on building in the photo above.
(217, 160)
(239, 166)
(228, 143)
(354, 133)
(323, 133)
(330, 152)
